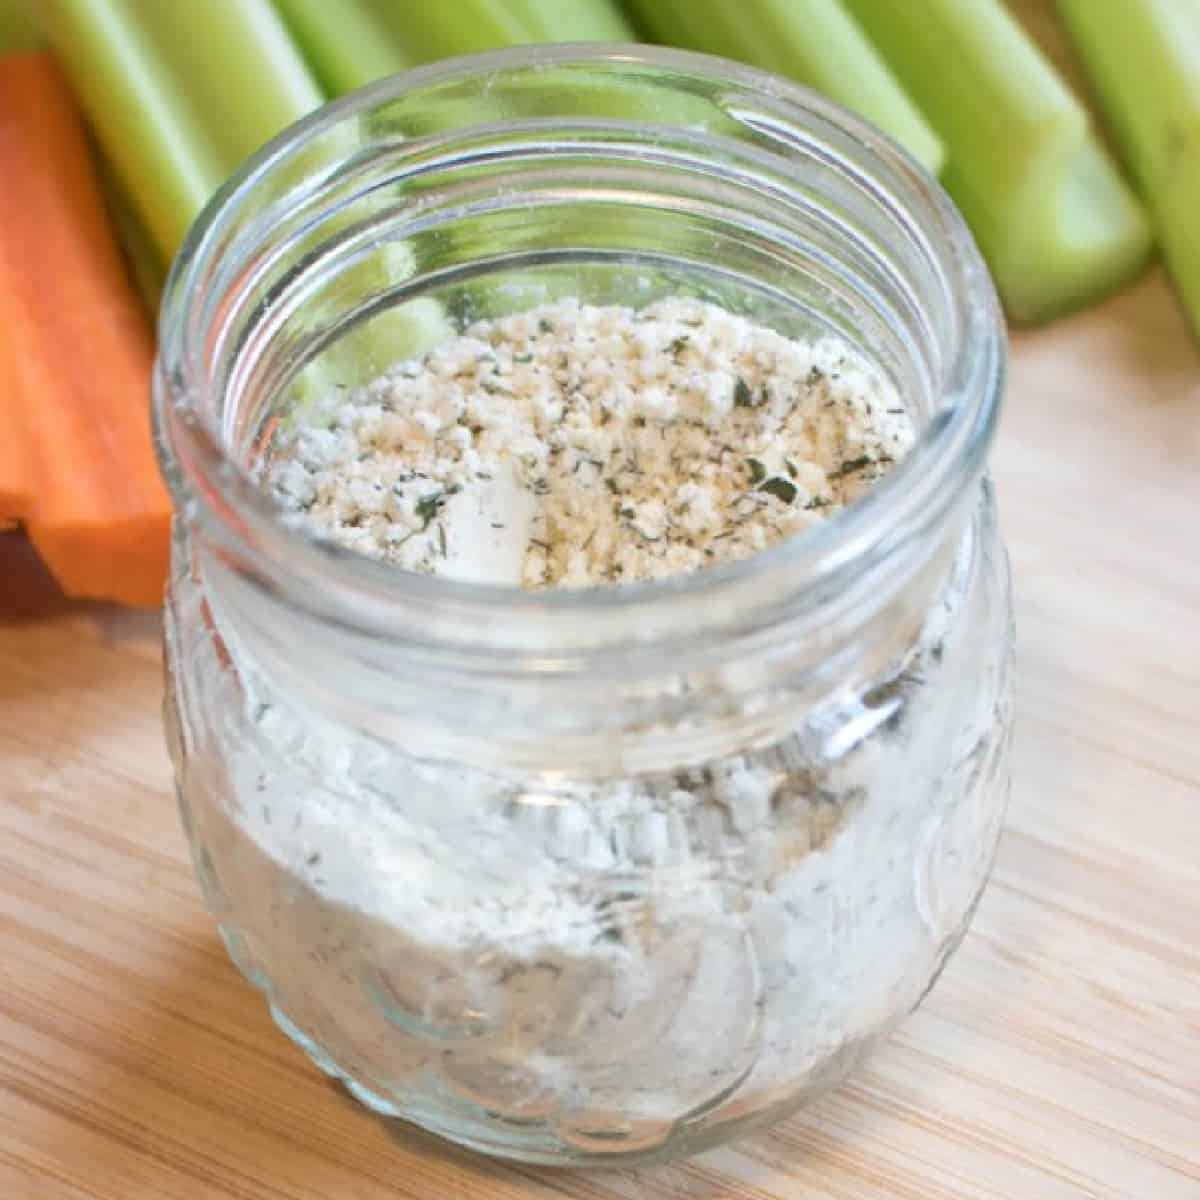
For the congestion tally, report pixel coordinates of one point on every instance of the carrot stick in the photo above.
(98, 512)
(14, 482)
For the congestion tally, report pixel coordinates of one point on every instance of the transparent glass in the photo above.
(612, 874)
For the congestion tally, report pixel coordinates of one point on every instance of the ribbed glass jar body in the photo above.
(607, 875)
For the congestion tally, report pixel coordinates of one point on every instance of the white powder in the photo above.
(599, 960)
(575, 445)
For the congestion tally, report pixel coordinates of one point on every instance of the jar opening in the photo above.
(480, 185)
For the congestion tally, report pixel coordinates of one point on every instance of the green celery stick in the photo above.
(1143, 57)
(179, 93)
(356, 42)
(1054, 219)
(815, 42)
(572, 20)
(17, 30)
(427, 32)
(348, 43)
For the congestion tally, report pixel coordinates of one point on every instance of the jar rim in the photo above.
(372, 597)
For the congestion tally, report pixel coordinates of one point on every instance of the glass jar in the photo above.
(613, 874)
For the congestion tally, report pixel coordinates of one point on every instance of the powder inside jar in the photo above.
(576, 445)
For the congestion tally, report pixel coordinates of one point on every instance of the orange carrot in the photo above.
(97, 510)
(14, 482)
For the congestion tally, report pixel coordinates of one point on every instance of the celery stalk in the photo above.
(426, 32)
(815, 42)
(1143, 57)
(572, 20)
(1054, 219)
(17, 30)
(179, 94)
(354, 42)
(347, 44)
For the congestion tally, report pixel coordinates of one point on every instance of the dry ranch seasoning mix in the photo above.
(577, 445)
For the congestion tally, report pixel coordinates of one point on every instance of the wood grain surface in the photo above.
(1058, 1058)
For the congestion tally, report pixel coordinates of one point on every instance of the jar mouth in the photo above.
(792, 129)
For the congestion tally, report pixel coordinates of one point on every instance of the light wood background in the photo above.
(1058, 1058)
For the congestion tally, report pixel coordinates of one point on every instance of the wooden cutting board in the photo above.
(1059, 1057)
